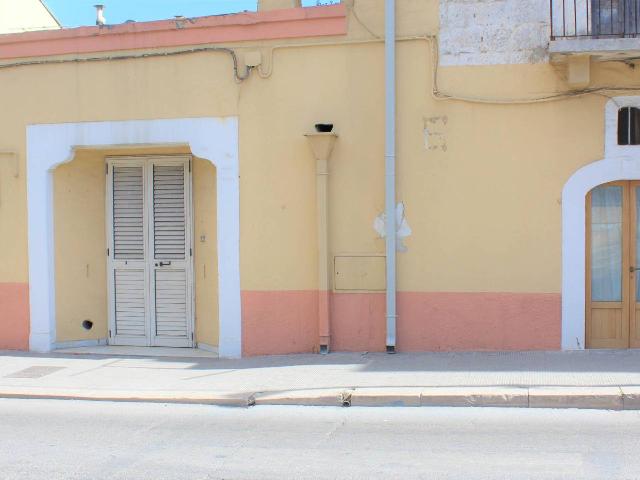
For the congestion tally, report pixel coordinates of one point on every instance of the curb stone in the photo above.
(335, 397)
(603, 398)
(630, 398)
(191, 397)
(386, 397)
(475, 397)
(607, 398)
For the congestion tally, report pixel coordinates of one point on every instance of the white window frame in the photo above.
(612, 149)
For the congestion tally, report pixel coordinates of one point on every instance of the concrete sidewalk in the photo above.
(589, 379)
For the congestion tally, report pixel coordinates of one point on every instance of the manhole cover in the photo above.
(34, 372)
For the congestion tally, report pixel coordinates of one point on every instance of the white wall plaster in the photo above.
(611, 147)
(491, 32)
(403, 230)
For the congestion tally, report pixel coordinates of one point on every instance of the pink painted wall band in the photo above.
(434, 321)
(249, 26)
(285, 322)
(478, 321)
(14, 316)
(279, 322)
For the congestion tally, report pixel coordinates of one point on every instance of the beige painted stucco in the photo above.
(205, 259)
(481, 182)
(25, 15)
(80, 241)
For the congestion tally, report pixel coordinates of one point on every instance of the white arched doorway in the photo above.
(622, 162)
(213, 139)
(574, 239)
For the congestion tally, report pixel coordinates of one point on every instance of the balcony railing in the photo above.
(594, 18)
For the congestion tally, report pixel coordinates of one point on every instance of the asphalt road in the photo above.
(48, 439)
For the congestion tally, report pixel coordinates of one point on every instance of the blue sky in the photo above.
(73, 13)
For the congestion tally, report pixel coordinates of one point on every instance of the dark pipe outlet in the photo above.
(324, 127)
(87, 324)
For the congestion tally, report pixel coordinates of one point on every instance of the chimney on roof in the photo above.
(264, 5)
(100, 20)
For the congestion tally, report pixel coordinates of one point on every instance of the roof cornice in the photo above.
(239, 27)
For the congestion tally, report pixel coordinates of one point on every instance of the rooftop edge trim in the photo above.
(247, 26)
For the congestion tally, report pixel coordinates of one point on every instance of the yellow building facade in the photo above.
(157, 186)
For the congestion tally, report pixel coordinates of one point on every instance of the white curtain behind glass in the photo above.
(606, 244)
(637, 246)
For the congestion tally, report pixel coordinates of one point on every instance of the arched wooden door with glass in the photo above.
(613, 266)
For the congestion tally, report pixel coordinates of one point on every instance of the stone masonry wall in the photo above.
(490, 32)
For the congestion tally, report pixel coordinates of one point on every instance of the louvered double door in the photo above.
(149, 234)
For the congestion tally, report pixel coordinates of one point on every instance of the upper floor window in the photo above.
(614, 17)
(629, 126)
(594, 18)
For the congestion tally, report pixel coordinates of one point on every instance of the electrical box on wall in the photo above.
(359, 272)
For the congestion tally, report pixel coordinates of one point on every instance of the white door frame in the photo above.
(50, 145)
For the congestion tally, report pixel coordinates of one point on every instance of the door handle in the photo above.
(633, 269)
(163, 264)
